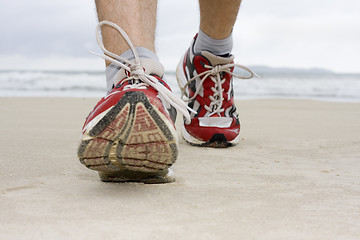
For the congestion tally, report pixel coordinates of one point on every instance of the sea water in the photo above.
(272, 84)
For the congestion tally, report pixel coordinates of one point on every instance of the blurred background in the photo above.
(302, 49)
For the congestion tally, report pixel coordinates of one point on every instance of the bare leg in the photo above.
(136, 17)
(217, 17)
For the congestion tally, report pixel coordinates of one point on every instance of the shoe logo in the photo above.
(107, 96)
(220, 122)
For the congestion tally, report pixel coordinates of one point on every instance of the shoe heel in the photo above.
(180, 75)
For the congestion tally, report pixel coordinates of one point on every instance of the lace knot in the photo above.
(136, 71)
(216, 70)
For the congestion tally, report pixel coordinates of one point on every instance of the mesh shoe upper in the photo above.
(121, 86)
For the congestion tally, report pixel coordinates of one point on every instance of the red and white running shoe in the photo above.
(206, 82)
(130, 134)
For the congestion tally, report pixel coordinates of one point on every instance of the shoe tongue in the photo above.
(150, 66)
(217, 60)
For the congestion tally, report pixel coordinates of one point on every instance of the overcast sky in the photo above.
(44, 34)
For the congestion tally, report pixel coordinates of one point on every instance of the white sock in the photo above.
(112, 69)
(215, 46)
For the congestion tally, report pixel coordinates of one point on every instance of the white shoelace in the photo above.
(214, 74)
(141, 80)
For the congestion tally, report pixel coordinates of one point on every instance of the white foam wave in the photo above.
(92, 84)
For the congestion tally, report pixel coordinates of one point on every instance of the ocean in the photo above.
(274, 83)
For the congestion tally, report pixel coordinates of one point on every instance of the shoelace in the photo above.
(214, 73)
(137, 75)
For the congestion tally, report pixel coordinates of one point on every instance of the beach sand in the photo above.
(294, 175)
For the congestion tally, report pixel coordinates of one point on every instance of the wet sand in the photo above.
(294, 175)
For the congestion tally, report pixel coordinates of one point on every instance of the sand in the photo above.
(294, 175)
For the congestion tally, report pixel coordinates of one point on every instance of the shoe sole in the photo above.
(133, 141)
(217, 140)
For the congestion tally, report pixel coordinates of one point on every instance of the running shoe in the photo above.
(206, 83)
(130, 134)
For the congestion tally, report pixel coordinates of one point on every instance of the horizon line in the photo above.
(260, 68)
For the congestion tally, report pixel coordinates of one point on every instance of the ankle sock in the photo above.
(218, 47)
(113, 69)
